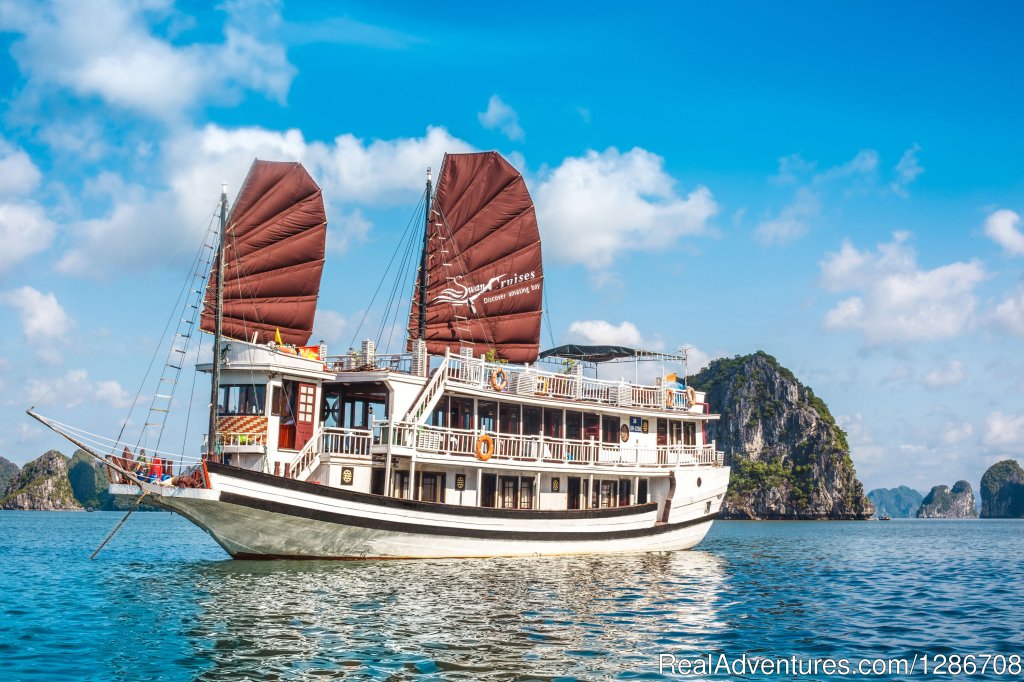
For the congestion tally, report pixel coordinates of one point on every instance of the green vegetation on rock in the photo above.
(898, 503)
(42, 484)
(945, 503)
(790, 458)
(1002, 491)
(8, 471)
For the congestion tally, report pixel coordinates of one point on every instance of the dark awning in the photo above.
(603, 353)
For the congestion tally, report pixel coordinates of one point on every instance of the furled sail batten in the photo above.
(274, 256)
(484, 266)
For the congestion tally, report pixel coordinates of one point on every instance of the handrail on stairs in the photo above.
(428, 397)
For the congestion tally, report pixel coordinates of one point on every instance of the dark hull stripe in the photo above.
(415, 505)
(451, 531)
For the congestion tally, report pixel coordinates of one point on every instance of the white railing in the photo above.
(396, 362)
(234, 440)
(428, 397)
(329, 441)
(528, 381)
(516, 447)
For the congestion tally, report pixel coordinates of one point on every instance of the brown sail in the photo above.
(274, 256)
(484, 274)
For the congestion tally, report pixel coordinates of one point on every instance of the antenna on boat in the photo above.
(211, 439)
(423, 264)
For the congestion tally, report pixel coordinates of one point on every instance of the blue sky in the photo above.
(837, 184)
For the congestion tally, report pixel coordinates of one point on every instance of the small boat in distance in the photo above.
(471, 443)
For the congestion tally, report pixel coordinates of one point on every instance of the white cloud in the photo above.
(1009, 314)
(594, 207)
(500, 115)
(329, 325)
(145, 227)
(70, 390)
(600, 332)
(110, 392)
(109, 49)
(1004, 430)
(42, 317)
(1002, 227)
(906, 171)
(896, 300)
(697, 359)
(18, 174)
(953, 433)
(950, 374)
(25, 230)
(793, 221)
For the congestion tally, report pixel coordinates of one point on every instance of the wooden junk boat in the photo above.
(471, 443)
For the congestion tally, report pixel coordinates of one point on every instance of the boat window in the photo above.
(574, 425)
(641, 491)
(431, 487)
(531, 420)
(460, 413)
(509, 492)
(242, 399)
(625, 488)
(488, 490)
(675, 432)
(487, 413)
(689, 433)
(508, 417)
(662, 432)
(330, 411)
(591, 426)
(604, 494)
(526, 493)
(437, 417)
(552, 422)
(400, 484)
(610, 427)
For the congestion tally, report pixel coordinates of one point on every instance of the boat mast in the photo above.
(211, 442)
(423, 265)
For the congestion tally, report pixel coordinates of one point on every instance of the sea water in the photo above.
(163, 602)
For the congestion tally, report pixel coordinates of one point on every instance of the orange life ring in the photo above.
(499, 379)
(691, 395)
(484, 447)
(670, 397)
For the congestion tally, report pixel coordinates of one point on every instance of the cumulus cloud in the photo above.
(25, 230)
(594, 207)
(950, 374)
(144, 225)
(110, 49)
(1004, 431)
(503, 117)
(111, 393)
(18, 174)
(601, 332)
(895, 300)
(329, 325)
(793, 222)
(906, 171)
(42, 317)
(1009, 314)
(1003, 227)
(74, 388)
(953, 432)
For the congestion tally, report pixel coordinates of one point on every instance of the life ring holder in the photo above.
(499, 379)
(484, 447)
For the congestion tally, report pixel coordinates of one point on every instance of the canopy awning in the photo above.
(606, 353)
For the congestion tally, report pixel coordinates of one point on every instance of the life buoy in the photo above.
(670, 397)
(484, 447)
(691, 395)
(499, 379)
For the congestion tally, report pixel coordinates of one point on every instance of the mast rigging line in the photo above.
(394, 300)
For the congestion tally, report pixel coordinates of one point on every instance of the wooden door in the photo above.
(305, 408)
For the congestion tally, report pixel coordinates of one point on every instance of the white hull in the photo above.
(253, 515)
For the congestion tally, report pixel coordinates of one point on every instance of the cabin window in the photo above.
(400, 484)
(330, 411)
(625, 488)
(431, 487)
(641, 491)
(605, 494)
(574, 425)
(377, 481)
(526, 493)
(241, 399)
(675, 433)
(487, 416)
(508, 418)
(460, 411)
(552, 423)
(509, 492)
(531, 421)
(573, 489)
(662, 432)
(488, 490)
(689, 433)
(591, 426)
(610, 428)
(437, 416)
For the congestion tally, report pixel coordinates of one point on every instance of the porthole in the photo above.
(698, 481)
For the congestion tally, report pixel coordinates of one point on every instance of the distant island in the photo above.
(896, 503)
(1002, 491)
(55, 482)
(789, 458)
(943, 502)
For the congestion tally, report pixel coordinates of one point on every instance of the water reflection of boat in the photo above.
(464, 446)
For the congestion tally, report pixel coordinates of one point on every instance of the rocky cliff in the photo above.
(943, 503)
(1002, 491)
(898, 503)
(8, 470)
(42, 484)
(790, 460)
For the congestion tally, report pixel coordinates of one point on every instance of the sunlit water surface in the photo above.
(163, 602)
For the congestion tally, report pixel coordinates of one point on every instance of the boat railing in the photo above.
(328, 441)
(428, 439)
(357, 362)
(524, 380)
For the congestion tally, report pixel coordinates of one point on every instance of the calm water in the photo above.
(164, 602)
